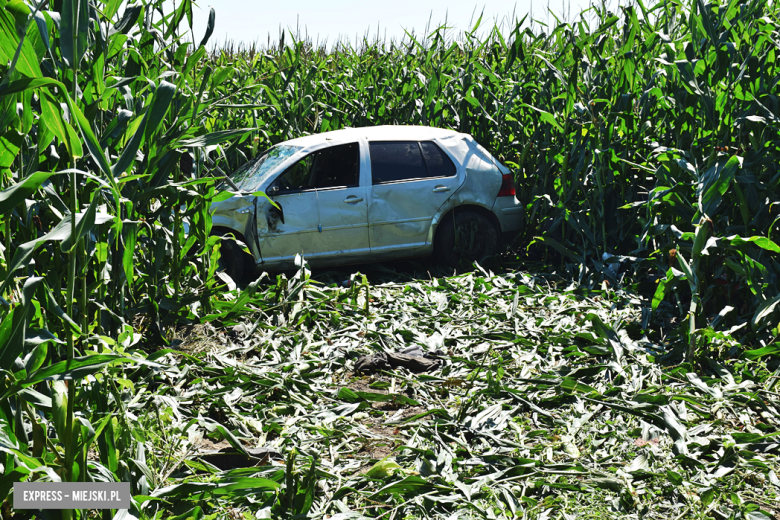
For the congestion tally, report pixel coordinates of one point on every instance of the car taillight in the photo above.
(507, 186)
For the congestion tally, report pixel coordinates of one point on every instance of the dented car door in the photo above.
(411, 180)
(286, 230)
(322, 209)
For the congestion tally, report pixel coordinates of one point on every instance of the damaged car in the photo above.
(367, 194)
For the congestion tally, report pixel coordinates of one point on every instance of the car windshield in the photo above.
(251, 174)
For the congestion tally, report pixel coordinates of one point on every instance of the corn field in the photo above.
(646, 151)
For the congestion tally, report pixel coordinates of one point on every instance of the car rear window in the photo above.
(393, 161)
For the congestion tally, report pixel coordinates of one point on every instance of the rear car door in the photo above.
(322, 208)
(411, 180)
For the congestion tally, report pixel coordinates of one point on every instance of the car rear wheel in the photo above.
(463, 237)
(234, 261)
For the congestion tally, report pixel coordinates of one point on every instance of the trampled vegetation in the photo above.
(636, 377)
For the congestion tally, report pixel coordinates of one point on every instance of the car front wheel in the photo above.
(463, 237)
(234, 261)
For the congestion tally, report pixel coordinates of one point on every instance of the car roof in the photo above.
(375, 133)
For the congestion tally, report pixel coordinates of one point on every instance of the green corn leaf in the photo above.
(15, 195)
(49, 303)
(411, 485)
(663, 287)
(10, 144)
(129, 17)
(546, 116)
(43, 29)
(74, 24)
(60, 232)
(12, 337)
(304, 497)
(75, 368)
(158, 109)
(23, 84)
(559, 247)
(383, 469)
(51, 117)
(37, 357)
(127, 158)
(18, 51)
(606, 24)
(607, 333)
(209, 27)
(744, 210)
(89, 137)
(762, 242)
(769, 350)
(705, 15)
(716, 182)
(183, 9)
(84, 224)
(700, 239)
(229, 487)
(693, 280)
(59, 406)
(192, 60)
(37, 399)
(214, 138)
(571, 385)
(129, 250)
(764, 311)
(72, 369)
(35, 337)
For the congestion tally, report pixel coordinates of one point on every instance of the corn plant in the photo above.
(98, 182)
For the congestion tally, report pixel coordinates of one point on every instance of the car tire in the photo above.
(234, 261)
(481, 234)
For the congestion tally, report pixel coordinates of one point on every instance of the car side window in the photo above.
(439, 165)
(296, 177)
(337, 166)
(396, 161)
(334, 167)
(393, 161)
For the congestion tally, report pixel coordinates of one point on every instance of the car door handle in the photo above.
(352, 199)
(440, 189)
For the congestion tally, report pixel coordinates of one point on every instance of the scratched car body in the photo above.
(367, 194)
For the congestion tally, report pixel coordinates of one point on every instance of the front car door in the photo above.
(411, 180)
(323, 210)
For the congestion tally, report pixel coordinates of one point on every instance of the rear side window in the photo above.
(439, 165)
(394, 161)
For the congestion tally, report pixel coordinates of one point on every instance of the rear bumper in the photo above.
(510, 214)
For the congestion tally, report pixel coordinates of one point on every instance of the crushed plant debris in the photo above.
(543, 404)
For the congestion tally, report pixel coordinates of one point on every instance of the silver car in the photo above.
(367, 194)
